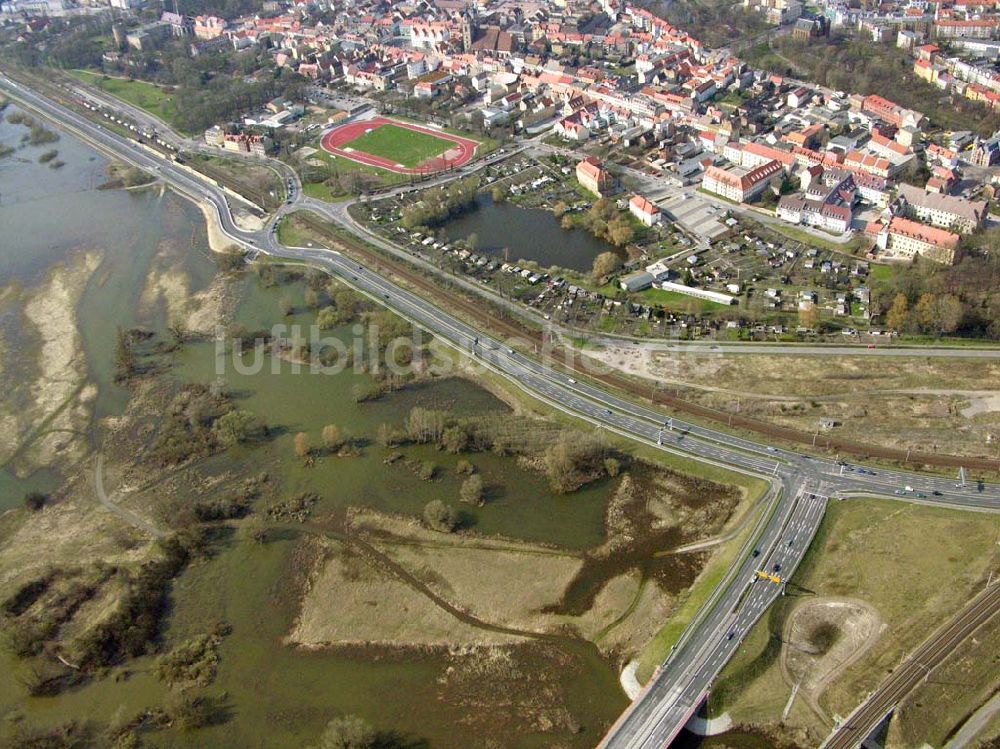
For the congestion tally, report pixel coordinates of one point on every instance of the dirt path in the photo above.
(966, 735)
(129, 517)
(814, 679)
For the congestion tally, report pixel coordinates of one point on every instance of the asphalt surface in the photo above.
(800, 484)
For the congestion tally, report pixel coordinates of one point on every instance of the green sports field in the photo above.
(400, 145)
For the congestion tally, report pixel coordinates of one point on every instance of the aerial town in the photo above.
(661, 345)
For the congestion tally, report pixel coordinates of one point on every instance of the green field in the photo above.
(147, 96)
(902, 560)
(677, 301)
(400, 144)
(881, 272)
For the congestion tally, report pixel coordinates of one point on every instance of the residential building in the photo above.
(827, 208)
(215, 136)
(904, 239)
(942, 211)
(979, 28)
(594, 178)
(891, 112)
(209, 27)
(740, 184)
(644, 210)
(985, 152)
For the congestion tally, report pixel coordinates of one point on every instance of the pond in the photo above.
(514, 233)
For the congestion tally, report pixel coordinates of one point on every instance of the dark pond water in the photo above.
(526, 234)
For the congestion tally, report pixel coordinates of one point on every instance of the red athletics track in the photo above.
(334, 141)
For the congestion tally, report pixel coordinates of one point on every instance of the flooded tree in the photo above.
(34, 501)
(237, 427)
(124, 356)
(472, 490)
(348, 732)
(332, 437)
(424, 425)
(440, 517)
(312, 299)
(302, 444)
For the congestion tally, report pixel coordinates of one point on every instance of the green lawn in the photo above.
(675, 300)
(902, 560)
(880, 272)
(321, 191)
(402, 145)
(147, 96)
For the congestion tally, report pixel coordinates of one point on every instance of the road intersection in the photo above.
(800, 484)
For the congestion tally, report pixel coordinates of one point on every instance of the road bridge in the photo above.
(801, 484)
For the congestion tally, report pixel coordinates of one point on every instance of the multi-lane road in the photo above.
(800, 484)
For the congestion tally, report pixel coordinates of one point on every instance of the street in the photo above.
(801, 484)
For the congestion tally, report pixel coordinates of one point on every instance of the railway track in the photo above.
(489, 318)
(928, 656)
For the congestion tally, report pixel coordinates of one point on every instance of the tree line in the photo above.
(437, 205)
(929, 298)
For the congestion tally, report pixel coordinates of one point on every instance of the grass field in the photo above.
(678, 301)
(899, 558)
(938, 706)
(293, 234)
(322, 191)
(402, 145)
(257, 182)
(312, 180)
(881, 272)
(147, 96)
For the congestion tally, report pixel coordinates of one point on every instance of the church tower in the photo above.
(469, 28)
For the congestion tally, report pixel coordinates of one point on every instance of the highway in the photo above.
(801, 485)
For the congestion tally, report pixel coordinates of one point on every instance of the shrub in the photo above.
(472, 490)
(348, 732)
(440, 517)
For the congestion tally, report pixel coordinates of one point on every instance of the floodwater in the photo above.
(46, 217)
(274, 695)
(507, 231)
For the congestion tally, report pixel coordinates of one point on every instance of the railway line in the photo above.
(802, 483)
(919, 665)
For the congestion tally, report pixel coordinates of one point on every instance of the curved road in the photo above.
(801, 484)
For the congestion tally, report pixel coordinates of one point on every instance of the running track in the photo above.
(335, 140)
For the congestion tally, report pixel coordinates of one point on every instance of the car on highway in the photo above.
(772, 449)
(777, 567)
(572, 381)
(756, 553)
(607, 411)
